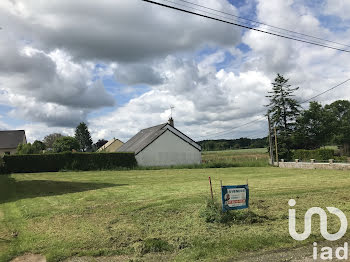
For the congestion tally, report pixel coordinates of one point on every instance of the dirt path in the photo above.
(30, 258)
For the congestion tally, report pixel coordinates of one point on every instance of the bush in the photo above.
(68, 161)
(317, 154)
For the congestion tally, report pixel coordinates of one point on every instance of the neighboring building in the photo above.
(9, 141)
(163, 145)
(111, 146)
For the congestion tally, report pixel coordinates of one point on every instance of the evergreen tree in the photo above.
(82, 135)
(283, 109)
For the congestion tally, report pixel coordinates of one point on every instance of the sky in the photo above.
(119, 65)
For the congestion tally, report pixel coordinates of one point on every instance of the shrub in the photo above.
(68, 161)
(317, 154)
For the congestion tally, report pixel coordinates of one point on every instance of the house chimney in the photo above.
(171, 121)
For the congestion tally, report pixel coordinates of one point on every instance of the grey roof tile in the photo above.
(11, 138)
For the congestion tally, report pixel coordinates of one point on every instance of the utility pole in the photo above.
(276, 145)
(270, 140)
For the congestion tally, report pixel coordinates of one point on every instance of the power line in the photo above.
(231, 19)
(225, 132)
(326, 91)
(261, 23)
(247, 27)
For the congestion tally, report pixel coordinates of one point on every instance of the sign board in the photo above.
(235, 197)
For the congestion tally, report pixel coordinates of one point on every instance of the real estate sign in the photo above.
(235, 197)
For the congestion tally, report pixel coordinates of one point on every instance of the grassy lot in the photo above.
(240, 157)
(141, 212)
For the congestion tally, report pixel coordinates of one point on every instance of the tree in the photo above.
(36, 148)
(50, 139)
(314, 127)
(100, 143)
(65, 143)
(284, 110)
(82, 135)
(340, 111)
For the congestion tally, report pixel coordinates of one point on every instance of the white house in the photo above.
(163, 145)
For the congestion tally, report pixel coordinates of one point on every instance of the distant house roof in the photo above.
(12, 138)
(108, 144)
(146, 136)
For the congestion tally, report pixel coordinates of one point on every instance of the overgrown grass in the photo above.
(212, 213)
(237, 158)
(156, 214)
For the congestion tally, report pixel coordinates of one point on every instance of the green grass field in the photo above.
(149, 215)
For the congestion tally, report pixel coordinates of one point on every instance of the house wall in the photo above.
(114, 146)
(11, 150)
(167, 150)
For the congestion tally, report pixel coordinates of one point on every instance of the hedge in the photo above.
(317, 154)
(3, 169)
(68, 161)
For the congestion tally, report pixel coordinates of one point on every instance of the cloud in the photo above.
(123, 30)
(205, 101)
(340, 8)
(137, 73)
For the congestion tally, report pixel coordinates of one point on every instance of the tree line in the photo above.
(312, 128)
(227, 144)
(58, 143)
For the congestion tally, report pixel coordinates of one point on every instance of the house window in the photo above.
(7, 153)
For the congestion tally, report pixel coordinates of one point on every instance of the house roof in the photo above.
(11, 138)
(108, 144)
(146, 136)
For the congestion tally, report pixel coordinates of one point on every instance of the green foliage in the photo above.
(226, 144)
(213, 213)
(283, 109)
(65, 144)
(100, 143)
(50, 139)
(82, 135)
(69, 161)
(36, 148)
(38, 145)
(317, 154)
(314, 127)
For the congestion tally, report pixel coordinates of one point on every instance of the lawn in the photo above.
(238, 157)
(151, 215)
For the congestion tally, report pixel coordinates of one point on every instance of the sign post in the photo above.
(235, 197)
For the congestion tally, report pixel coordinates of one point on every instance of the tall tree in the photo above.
(82, 135)
(283, 109)
(50, 139)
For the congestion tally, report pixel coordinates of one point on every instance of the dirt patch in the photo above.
(29, 258)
